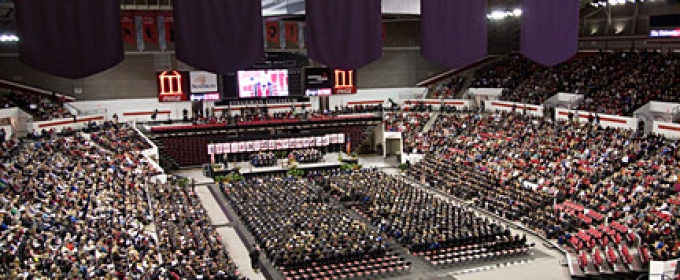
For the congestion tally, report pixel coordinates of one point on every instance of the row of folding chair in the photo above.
(365, 268)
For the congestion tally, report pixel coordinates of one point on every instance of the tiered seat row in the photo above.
(119, 137)
(633, 79)
(186, 235)
(70, 209)
(562, 177)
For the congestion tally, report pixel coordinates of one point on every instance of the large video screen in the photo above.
(262, 83)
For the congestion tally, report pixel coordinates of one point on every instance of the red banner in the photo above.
(150, 27)
(127, 24)
(272, 32)
(169, 22)
(292, 32)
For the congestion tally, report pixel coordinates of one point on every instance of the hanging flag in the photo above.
(150, 27)
(291, 29)
(384, 32)
(205, 32)
(453, 32)
(344, 34)
(169, 22)
(160, 24)
(549, 30)
(272, 32)
(349, 144)
(127, 24)
(69, 38)
(139, 31)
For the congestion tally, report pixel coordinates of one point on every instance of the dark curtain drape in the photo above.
(453, 32)
(344, 34)
(549, 30)
(218, 35)
(69, 38)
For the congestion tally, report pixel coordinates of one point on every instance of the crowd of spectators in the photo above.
(43, 107)
(119, 137)
(449, 89)
(615, 83)
(410, 124)
(187, 241)
(517, 166)
(70, 209)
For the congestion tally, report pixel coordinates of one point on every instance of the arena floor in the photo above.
(544, 264)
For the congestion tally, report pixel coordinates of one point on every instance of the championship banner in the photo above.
(234, 147)
(326, 140)
(291, 30)
(169, 24)
(279, 144)
(211, 149)
(272, 32)
(226, 148)
(218, 149)
(341, 138)
(333, 138)
(272, 145)
(127, 24)
(150, 27)
(242, 146)
(256, 146)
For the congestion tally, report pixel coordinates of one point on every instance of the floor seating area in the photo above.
(430, 227)
(306, 236)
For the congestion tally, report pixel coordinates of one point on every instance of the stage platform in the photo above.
(330, 161)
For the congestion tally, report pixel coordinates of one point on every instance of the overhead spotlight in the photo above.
(517, 12)
(496, 15)
(9, 38)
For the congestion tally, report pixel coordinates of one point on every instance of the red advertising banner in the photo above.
(127, 24)
(272, 32)
(150, 27)
(292, 32)
(169, 22)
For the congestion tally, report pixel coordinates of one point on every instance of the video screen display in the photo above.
(262, 83)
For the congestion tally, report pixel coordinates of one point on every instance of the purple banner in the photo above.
(549, 30)
(344, 34)
(219, 36)
(453, 32)
(70, 38)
